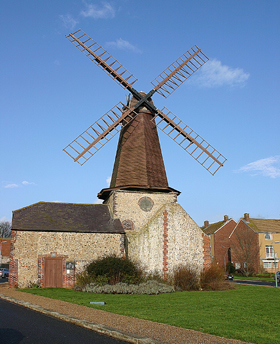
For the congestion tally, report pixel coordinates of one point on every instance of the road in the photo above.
(22, 325)
(253, 282)
(3, 280)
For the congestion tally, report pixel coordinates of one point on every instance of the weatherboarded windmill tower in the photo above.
(159, 233)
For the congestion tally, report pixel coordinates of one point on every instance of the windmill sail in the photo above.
(179, 71)
(122, 117)
(102, 58)
(189, 140)
(98, 134)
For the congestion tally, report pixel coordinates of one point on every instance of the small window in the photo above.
(237, 266)
(268, 236)
(269, 251)
(266, 265)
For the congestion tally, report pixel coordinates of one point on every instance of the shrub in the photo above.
(112, 270)
(158, 277)
(213, 278)
(186, 278)
(33, 285)
(83, 278)
(148, 288)
(266, 275)
(230, 268)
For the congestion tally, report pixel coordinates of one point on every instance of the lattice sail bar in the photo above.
(189, 140)
(98, 134)
(102, 58)
(179, 71)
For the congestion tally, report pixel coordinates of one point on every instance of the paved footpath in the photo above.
(121, 327)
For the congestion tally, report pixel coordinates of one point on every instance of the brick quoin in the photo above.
(41, 271)
(13, 274)
(122, 246)
(13, 266)
(68, 280)
(165, 244)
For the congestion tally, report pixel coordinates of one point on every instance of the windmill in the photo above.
(139, 163)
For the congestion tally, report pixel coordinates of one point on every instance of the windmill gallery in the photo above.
(140, 216)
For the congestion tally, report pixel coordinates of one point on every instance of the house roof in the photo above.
(66, 217)
(265, 225)
(211, 229)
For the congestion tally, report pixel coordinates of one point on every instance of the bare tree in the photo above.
(245, 249)
(5, 229)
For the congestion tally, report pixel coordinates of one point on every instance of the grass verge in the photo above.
(251, 278)
(248, 313)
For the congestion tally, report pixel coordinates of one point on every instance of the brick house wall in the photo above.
(207, 261)
(6, 247)
(5, 250)
(222, 243)
(241, 236)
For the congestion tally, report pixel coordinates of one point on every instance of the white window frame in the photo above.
(267, 265)
(269, 252)
(270, 264)
(268, 236)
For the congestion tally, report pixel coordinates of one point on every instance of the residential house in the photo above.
(219, 233)
(5, 248)
(256, 242)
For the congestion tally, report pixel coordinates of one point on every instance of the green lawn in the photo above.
(269, 279)
(248, 313)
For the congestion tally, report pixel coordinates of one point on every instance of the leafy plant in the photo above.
(149, 288)
(33, 285)
(115, 270)
(83, 278)
(230, 268)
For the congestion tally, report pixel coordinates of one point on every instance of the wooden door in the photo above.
(53, 273)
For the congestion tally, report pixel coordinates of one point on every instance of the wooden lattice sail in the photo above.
(139, 162)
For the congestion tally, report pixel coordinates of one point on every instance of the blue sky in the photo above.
(51, 93)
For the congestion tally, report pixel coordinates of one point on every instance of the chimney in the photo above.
(225, 218)
(246, 217)
(206, 223)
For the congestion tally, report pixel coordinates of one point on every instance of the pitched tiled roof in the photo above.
(66, 217)
(213, 227)
(265, 225)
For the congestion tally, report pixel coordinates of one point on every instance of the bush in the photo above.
(112, 270)
(186, 278)
(148, 288)
(83, 278)
(266, 275)
(213, 278)
(230, 268)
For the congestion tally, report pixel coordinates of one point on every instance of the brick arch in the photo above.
(68, 280)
